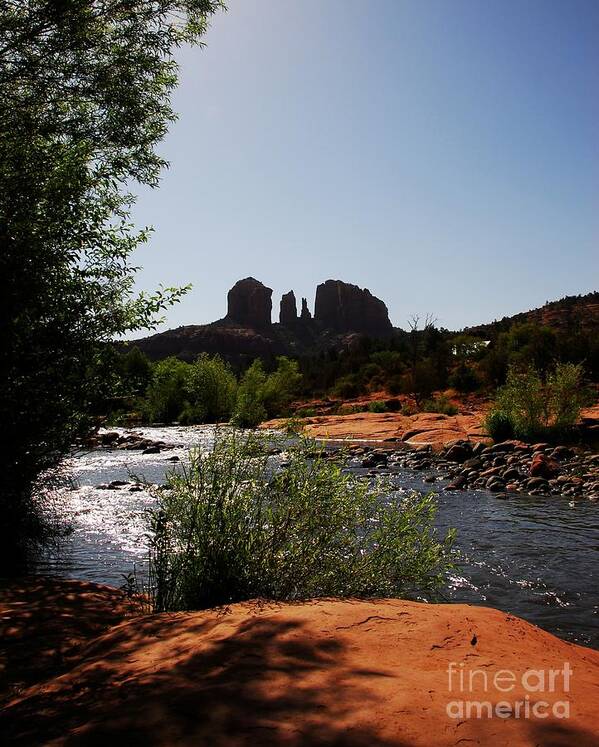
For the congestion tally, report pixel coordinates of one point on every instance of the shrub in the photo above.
(281, 387)
(535, 408)
(566, 395)
(210, 390)
(348, 409)
(377, 405)
(348, 386)
(464, 379)
(395, 385)
(499, 426)
(393, 405)
(165, 397)
(440, 404)
(232, 528)
(249, 407)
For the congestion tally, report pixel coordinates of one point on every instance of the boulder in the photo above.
(458, 484)
(347, 308)
(288, 309)
(109, 438)
(542, 466)
(249, 303)
(561, 453)
(537, 483)
(459, 452)
(374, 459)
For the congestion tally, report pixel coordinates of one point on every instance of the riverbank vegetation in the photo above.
(234, 526)
(424, 361)
(531, 407)
(85, 101)
(205, 391)
(414, 372)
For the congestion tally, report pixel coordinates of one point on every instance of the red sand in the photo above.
(319, 673)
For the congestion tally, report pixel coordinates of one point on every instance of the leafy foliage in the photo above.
(250, 409)
(165, 399)
(233, 527)
(530, 407)
(440, 404)
(85, 100)
(211, 389)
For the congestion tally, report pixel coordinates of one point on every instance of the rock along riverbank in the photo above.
(358, 673)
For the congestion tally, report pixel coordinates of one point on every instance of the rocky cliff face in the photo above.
(343, 311)
(347, 308)
(249, 304)
(305, 316)
(288, 309)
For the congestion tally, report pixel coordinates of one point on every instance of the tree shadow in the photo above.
(236, 677)
(179, 679)
(45, 621)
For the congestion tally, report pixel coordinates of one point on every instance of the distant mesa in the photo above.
(342, 312)
(339, 307)
(347, 308)
(249, 303)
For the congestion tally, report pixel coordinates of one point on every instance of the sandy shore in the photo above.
(319, 673)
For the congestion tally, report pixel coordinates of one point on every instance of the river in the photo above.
(536, 557)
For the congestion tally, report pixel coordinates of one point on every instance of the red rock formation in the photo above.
(249, 303)
(288, 310)
(305, 316)
(347, 308)
(347, 672)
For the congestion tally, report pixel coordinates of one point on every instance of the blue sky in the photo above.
(442, 153)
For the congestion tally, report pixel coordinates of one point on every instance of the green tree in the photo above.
(530, 407)
(211, 388)
(281, 386)
(166, 394)
(136, 372)
(85, 100)
(249, 408)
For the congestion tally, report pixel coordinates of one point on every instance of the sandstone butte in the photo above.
(86, 670)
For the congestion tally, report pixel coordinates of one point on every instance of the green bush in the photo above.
(440, 404)
(281, 387)
(566, 395)
(232, 528)
(348, 386)
(165, 396)
(345, 409)
(395, 384)
(377, 405)
(499, 426)
(464, 379)
(249, 408)
(210, 390)
(538, 409)
(393, 405)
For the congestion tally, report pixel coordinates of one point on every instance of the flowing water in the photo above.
(537, 557)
